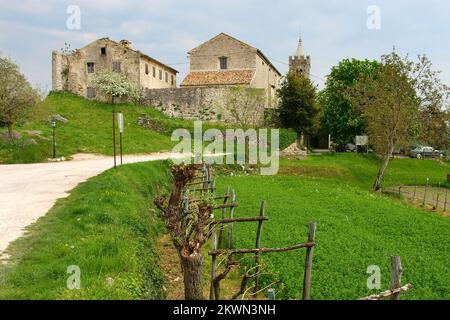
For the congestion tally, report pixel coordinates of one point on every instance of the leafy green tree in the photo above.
(17, 96)
(390, 102)
(245, 106)
(299, 109)
(342, 121)
(115, 85)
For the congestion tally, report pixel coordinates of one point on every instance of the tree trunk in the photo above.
(384, 164)
(10, 130)
(192, 271)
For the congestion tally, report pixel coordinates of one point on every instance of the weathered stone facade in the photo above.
(226, 61)
(202, 103)
(73, 72)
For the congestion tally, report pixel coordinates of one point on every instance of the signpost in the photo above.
(120, 123)
(362, 141)
(54, 139)
(114, 135)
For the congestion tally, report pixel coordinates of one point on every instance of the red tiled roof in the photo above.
(223, 77)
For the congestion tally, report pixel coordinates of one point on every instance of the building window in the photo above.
(223, 62)
(116, 66)
(160, 74)
(90, 92)
(166, 75)
(154, 72)
(146, 68)
(171, 79)
(103, 51)
(90, 67)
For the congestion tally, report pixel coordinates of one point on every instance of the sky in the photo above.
(167, 29)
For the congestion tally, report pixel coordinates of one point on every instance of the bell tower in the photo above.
(300, 63)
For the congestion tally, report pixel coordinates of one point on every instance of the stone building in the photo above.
(300, 63)
(72, 72)
(225, 61)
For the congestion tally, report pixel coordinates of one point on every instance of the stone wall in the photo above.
(202, 103)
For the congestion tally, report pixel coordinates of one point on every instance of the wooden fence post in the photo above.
(271, 294)
(396, 276)
(437, 196)
(425, 193)
(257, 246)
(213, 264)
(308, 262)
(230, 226)
(445, 203)
(222, 226)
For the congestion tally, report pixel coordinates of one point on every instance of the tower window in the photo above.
(160, 74)
(146, 68)
(103, 51)
(223, 62)
(166, 75)
(171, 79)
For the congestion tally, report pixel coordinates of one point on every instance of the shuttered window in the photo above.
(90, 67)
(116, 66)
(90, 92)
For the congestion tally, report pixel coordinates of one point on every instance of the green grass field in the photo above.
(89, 130)
(111, 223)
(355, 227)
(107, 227)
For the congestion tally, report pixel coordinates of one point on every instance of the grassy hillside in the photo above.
(107, 227)
(355, 228)
(89, 129)
(361, 170)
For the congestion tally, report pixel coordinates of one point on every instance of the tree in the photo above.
(434, 104)
(390, 104)
(342, 121)
(17, 96)
(298, 104)
(189, 229)
(115, 85)
(245, 106)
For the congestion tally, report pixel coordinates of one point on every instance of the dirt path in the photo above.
(28, 191)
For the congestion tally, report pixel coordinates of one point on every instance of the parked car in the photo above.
(426, 152)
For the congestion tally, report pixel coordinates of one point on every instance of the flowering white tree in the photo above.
(115, 85)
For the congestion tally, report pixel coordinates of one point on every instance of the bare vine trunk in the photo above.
(192, 266)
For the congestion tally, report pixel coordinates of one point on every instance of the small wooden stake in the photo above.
(445, 203)
(425, 193)
(222, 227)
(396, 276)
(308, 262)
(230, 226)
(213, 264)
(437, 196)
(271, 294)
(257, 246)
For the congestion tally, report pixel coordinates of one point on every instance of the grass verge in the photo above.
(107, 227)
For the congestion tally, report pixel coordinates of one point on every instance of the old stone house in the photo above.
(226, 61)
(72, 72)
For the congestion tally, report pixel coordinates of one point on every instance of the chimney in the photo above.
(125, 43)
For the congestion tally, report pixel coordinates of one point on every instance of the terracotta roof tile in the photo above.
(210, 78)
